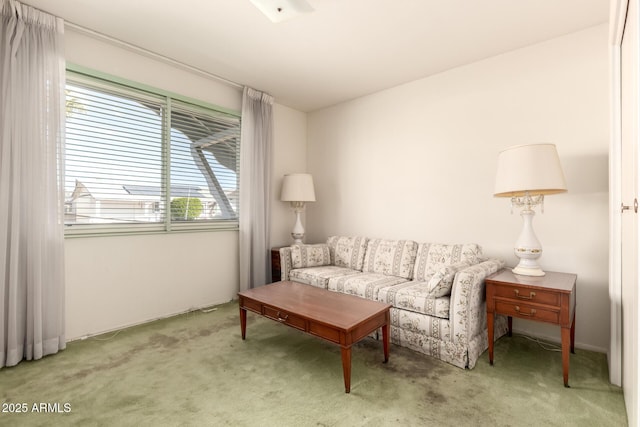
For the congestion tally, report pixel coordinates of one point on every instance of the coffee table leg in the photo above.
(243, 322)
(346, 368)
(385, 342)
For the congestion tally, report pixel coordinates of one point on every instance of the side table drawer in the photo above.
(526, 295)
(525, 311)
(284, 317)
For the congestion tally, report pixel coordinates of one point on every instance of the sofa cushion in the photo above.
(319, 276)
(390, 257)
(431, 257)
(416, 297)
(441, 282)
(303, 256)
(347, 251)
(365, 285)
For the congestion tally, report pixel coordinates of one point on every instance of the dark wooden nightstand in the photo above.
(276, 271)
(550, 298)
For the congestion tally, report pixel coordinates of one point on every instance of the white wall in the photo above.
(113, 282)
(289, 156)
(121, 62)
(418, 162)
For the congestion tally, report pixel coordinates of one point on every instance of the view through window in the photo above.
(136, 159)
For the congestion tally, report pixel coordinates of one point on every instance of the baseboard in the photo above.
(556, 340)
(143, 322)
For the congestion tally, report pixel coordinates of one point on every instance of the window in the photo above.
(137, 160)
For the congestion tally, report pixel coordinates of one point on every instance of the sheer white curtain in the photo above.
(255, 186)
(31, 192)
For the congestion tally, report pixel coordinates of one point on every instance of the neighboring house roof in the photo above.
(176, 191)
(102, 190)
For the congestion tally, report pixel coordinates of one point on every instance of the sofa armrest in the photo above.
(468, 312)
(285, 262)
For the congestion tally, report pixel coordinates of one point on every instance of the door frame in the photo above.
(617, 18)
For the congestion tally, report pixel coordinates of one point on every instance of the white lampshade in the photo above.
(533, 168)
(298, 187)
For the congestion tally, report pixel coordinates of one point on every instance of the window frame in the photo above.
(80, 74)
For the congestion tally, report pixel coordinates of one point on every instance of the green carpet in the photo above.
(194, 370)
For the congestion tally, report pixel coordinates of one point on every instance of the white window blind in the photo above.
(204, 164)
(136, 160)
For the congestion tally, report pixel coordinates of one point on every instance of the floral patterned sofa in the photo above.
(436, 290)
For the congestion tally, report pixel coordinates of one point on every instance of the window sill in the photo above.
(77, 231)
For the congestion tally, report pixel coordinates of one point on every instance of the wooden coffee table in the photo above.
(339, 318)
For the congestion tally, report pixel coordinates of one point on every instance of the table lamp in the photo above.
(297, 188)
(526, 173)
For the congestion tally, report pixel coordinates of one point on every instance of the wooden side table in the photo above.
(276, 271)
(550, 298)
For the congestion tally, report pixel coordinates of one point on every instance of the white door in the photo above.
(629, 221)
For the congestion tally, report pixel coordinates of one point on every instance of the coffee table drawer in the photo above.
(252, 305)
(326, 332)
(284, 317)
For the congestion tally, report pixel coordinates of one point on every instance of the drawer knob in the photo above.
(531, 295)
(530, 314)
(282, 318)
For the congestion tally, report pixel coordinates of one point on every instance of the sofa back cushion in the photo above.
(303, 256)
(347, 251)
(431, 257)
(390, 257)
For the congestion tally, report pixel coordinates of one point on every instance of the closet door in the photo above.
(629, 118)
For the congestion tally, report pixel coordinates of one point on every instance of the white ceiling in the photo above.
(342, 50)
